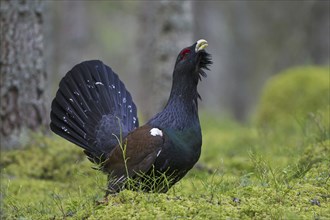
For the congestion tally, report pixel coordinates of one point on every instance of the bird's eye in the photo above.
(184, 53)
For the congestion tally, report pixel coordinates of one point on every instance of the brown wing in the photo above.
(139, 149)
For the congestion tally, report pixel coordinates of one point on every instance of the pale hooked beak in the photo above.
(200, 45)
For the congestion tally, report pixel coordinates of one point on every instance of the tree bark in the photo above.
(166, 28)
(22, 71)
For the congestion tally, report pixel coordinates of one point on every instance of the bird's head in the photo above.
(192, 61)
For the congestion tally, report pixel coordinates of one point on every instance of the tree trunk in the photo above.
(166, 28)
(22, 71)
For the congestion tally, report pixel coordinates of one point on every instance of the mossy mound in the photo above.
(294, 95)
(314, 164)
(39, 161)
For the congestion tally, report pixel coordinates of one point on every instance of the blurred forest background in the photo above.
(264, 113)
(249, 40)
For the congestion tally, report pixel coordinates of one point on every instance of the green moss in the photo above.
(290, 96)
(39, 160)
(314, 164)
(243, 174)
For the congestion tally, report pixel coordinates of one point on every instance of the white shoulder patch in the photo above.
(155, 132)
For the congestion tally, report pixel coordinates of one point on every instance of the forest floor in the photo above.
(244, 172)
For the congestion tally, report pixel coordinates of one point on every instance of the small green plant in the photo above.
(152, 181)
(269, 176)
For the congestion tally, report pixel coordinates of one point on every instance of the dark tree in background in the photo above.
(23, 78)
(166, 26)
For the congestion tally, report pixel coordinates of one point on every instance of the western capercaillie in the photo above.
(93, 109)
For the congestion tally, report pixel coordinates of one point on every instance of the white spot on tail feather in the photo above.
(99, 83)
(155, 132)
(159, 152)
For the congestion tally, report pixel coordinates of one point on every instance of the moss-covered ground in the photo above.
(244, 172)
(277, 167)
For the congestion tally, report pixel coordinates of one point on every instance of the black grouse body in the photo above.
(93, 109)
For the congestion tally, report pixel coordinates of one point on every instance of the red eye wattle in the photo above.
(184, 53)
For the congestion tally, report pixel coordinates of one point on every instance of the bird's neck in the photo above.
(183, 98)
(184, 91)
(181, 110)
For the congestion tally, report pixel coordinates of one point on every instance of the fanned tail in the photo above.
(92, 108)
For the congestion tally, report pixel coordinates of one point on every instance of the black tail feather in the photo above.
(90, 101)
